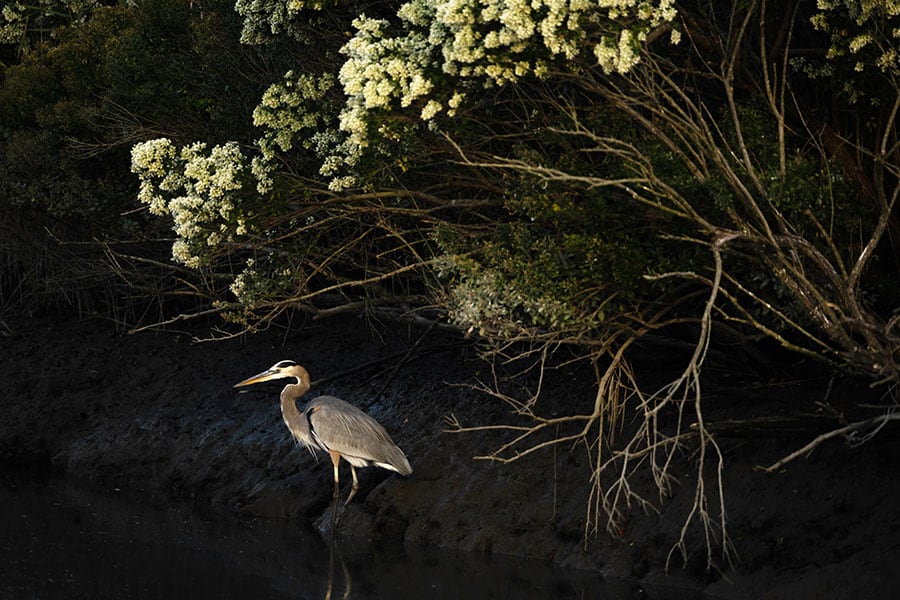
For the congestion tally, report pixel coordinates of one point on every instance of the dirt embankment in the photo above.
(158, 413)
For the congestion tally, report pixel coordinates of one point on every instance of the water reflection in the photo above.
(60, 541)
(334, 549)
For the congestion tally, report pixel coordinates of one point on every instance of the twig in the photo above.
(422, 352)
(403, 361)
(875, 422)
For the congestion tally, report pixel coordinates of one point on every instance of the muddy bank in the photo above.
(157, 413)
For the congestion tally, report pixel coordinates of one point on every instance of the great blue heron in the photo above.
(334, 426)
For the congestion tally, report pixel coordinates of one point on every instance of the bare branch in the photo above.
(870, 426)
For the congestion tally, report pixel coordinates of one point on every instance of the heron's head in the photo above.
(280, 370)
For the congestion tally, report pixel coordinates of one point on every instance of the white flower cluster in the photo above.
(17, 17)
(262, 280)
(493, 42)
(265, 19)
(198, 188)
(291, 106)
(487, 302)
(379, 71)
(291, 109)
(503, 40)
(621, 53)
(619, 56)
(244, 286)
(867, 31)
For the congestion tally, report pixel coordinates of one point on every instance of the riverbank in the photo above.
(157, 413)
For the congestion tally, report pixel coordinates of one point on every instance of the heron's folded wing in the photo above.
(343, 428)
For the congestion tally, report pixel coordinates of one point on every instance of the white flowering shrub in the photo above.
(424, 63)
(200, 189)
(440, 49)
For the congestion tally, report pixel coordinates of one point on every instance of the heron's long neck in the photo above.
(295, 421)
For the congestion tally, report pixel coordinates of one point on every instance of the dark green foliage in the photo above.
(72, 106)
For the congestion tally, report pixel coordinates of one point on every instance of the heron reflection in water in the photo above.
(334, 426)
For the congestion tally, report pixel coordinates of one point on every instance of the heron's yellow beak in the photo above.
(260, 377)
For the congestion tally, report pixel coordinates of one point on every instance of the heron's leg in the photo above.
(354, 487)
(335, 460)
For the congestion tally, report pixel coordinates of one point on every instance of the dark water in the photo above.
(61, 541)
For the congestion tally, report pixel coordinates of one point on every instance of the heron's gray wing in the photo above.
(343, 428)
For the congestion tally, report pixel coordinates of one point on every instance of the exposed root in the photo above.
(652, 447)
